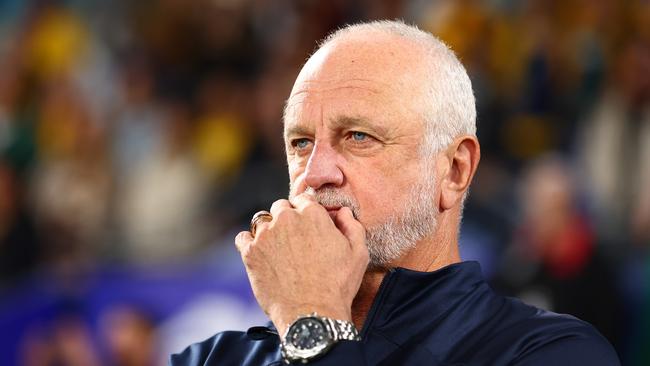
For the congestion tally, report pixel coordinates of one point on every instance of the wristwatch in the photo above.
(312, 336)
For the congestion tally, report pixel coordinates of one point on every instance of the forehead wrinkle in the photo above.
(299, 97)
(318, 85)
(310, 90)
(316, 80)
(347, 122)
(314, 87)
(298, 129)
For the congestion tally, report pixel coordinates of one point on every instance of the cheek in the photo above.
(295, 178)
(295, 170)
(375, 195)
(385, 192)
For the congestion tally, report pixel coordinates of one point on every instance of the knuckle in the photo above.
(278, 204)
(309, 196)
(250, 251)
(285, 213)
(240, 240)
(281, 201)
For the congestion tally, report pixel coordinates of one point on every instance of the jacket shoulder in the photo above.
(540, 337)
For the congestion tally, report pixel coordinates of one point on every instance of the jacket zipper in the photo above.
(379, 299)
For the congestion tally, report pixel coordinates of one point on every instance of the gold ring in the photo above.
(261, 216)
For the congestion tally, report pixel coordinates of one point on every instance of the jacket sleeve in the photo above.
(229, 349)
(344, 353)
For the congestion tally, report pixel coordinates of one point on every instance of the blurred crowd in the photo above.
(143, 133)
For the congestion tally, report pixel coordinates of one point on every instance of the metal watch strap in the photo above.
(342, 330)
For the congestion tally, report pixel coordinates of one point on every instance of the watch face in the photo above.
(308, 333)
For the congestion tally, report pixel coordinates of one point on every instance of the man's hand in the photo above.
(303, 261)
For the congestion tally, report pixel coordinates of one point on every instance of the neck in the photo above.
(428, 255)
(366, 295)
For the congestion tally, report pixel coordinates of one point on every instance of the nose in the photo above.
(322, 169)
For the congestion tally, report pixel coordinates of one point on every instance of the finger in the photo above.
(279, 205)
(350, 227)
(260, 218)
(304, 200)
(243, 240)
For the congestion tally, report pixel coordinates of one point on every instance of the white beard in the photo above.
(401, 231)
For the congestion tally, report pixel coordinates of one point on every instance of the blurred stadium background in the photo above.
(137, 137)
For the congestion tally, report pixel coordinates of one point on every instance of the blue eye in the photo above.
(359, 136)
(300, 143)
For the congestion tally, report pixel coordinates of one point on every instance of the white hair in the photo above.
(449, 106)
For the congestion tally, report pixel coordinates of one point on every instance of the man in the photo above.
(361, 266)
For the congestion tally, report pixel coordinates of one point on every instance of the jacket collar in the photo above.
(413, 299)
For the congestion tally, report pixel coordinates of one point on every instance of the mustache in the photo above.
(332, 197)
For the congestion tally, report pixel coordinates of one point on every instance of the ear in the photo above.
(461, 161)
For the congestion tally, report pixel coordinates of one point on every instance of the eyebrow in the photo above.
(297, 131)
(349, 121)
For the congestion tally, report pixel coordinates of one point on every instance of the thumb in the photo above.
(350, 227)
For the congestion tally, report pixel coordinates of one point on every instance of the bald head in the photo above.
(413, 63)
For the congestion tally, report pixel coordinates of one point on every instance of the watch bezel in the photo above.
(294, 353)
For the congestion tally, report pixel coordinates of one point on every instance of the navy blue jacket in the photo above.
(446, 317)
